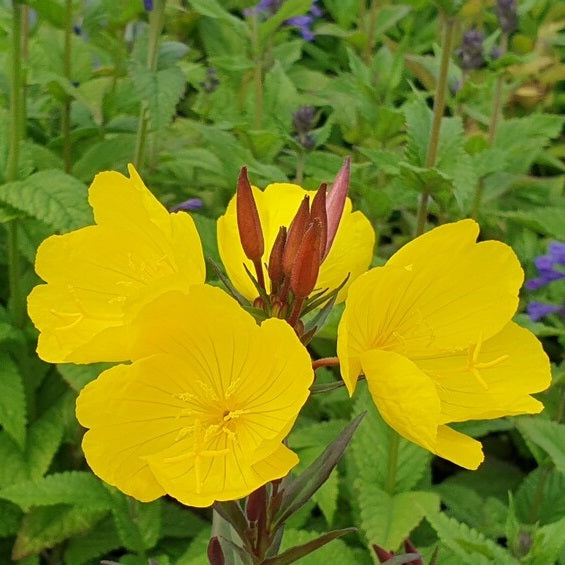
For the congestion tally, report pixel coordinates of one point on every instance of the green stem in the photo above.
(17, 304)
(371, 31)
(66, 117)
(439, 107)
(300, 167)
(393, 447)
(257, 73)
(494, 119)
(156, 22)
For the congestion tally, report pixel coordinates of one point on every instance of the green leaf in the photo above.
(371, 445)
(13, 407)
(541, 497)
(296, 491)
(52, 196)
(548, 435)
(293, 554)
(486, 514)
(289, 9)
(468, 544)
(80, 488)
(389, 519)
(45, 527)
(181, 522)
(162, 91)
(138, 524)
(110, 154)
(78, 376)
(547, 544)
(338, 552)
(213, 9)
(521, 139)
(308, 442)
(10, 517)
(96, 542)
(545, 220)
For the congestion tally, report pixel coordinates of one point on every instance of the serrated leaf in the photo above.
(181, 522)
(544, 220)
(53, 197)
(288, 9)
(44, 527)
(162, 90)
(212, 9)
(13, 407)
(468, 544)
(371, 445)
(111, 153)
(80, 488)
(78, 376)
(548, 435)
(389, 519)
(547, 544)
(10, 517)
(139, 525)
(99, 540)
(541, 497)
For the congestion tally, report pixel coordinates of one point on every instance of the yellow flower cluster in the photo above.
(206, 397)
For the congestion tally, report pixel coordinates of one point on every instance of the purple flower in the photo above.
(188, 205)
(148, 4)
(507, 14)
(303, 23)
(538, 310)
(471, 51)
(550, 266)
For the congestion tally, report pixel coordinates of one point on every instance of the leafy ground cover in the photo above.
(190, 91)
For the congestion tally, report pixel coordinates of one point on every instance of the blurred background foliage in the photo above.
(191, 91)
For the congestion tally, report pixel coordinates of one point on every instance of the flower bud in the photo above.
(507, 14)
(382, 554)
(318, 210)
(296, 234)
(307, 263)
(215, 553)
(248, 222)
(275, 268)
(471, 51)
(279, 309)
(256, 507)
(335, 203)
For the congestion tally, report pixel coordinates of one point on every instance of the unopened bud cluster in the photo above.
(298, 251)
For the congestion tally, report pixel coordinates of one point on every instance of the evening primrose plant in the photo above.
(214, 383)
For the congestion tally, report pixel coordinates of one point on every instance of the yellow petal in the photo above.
(130, 418)
(97, 274)
(496, 381)
(441, 301)
(405, 396)
(351, 251)
(207, 412)
(459, 448)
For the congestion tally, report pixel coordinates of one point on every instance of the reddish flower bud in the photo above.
(275, 268)
(256, 507)
(307, 263)
(318, 210)
(259, 303)
(335, 202)
(248, 222)
(382, 554)
(215, 553)
(296, 234)
(409, 547)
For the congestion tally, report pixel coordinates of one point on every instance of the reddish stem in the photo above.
(325, 362)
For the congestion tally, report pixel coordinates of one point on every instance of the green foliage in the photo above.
(223, 94)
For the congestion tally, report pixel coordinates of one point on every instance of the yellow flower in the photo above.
(351, 252)
(203, 416)
(95, 275)
(432, 333)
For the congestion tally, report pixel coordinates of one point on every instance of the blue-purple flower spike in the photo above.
(148, 4)
(188, 205)
(551, 267)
